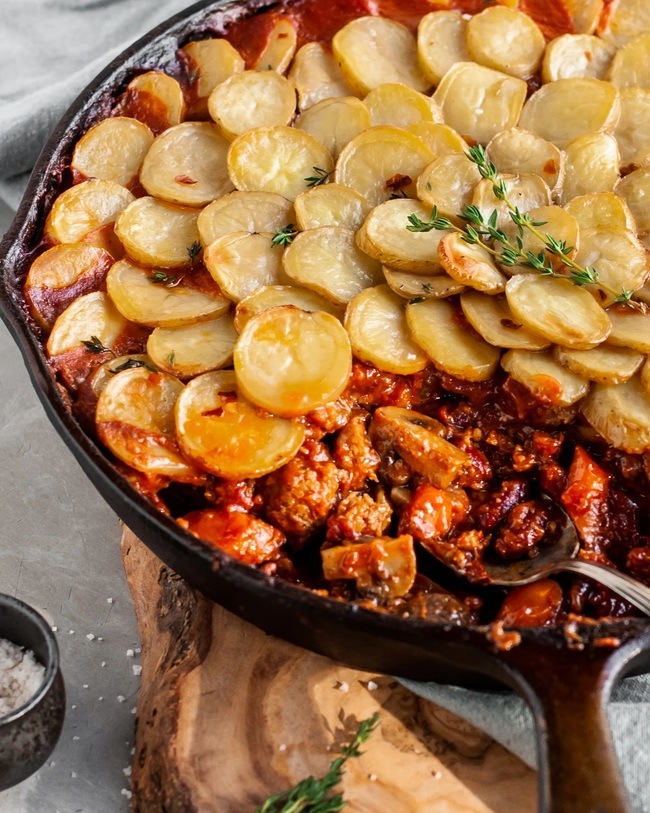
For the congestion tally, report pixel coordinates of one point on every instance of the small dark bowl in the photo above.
(28, 734)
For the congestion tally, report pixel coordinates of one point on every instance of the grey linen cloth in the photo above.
(49, 51)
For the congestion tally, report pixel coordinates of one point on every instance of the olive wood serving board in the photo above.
(228, 715)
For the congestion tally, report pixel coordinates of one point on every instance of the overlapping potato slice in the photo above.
(419, 286)
(210, 62)
(158, 233)
(335, 122)
(547, 379)
(592, 165)
(449, 184)
(275, 296)
(644, 378)
(373, 50)
(479, 102)
(277, 159)
(557, 222)
(242, 262)
(631, 66)
(316, 75)
(381, 162)
(244, 211)
(90, 316)
(84, 208)
(439, 138)
(525, 191)
(624, 21)
(635, 189)
(620, 413)
(280, 47)
(470, 265)
(577, 56)
(491, 317)
(328, 261)
(331, 205)
(400, 106)
(187, 165)
(558, 310)
(155, 99)
(290, 362)
(629, 328)
(601, 210)
(585, 14)
(563, 110)
(441, 331)
(189, 351)
(633, 129)
(385, 236)
(252, 99)
(516, 152)
(60, 275)
(507, 40)
(619, 257)
(110, 368)
(441, 43)
(112, 150)
(604, 364)
(378, 332)
(142, 300)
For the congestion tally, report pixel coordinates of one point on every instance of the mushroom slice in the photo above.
(381, 162)
(335, 122)
(210, 62)
(619, 257)
(631, 66)
(378, 332)
(331, 205)
(155, 99)
(84, 208)
(157, 233)
(448, 183)
(479, 102)
(61, 274)
(547, 380)
(252, 99)
(563, 110)
(620, 413)
(187, 165)
(328, 261)
(624, 21)
(316, 75)
(386, 237)
(140, 298)
(290, 362)
(491, 317)
(601, 210)
(275, 296)
(507, 40)
(585, 14)
(280, 47)
(629, 328)
(439, 138)
(420, 286)
(592, 165)
(226, 435)
(277, 159)
(112, 150)
(526, 192)
(92, 316)
(633, 129)
(635, 189)
(400, 106)
(555, 221)
(383, 568)
(373, 50)
(558, 310)
(517, 152)
(244, 211)
(441, 331)
(604, 364)
(576, 56)
(242, 262)
(441, 43)
(189, 351)
(470, 265)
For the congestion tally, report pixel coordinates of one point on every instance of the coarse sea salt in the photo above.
(21, 676)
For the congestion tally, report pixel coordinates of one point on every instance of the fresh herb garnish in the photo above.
(131, 364)
(95, 346)
(284, 237)
(427, 287)
(171, 358)
(320, 177)
(193, 251)
(414, 300)
(398, 195)
(163, 278)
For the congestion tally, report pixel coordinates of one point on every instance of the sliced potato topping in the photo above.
(157, 233)
(316, 75)
(507, 40)
(470, 265)
(155, 99)
(526, 192)
(382, 568)
(644, 378)
(441, 43)
(448, 183)
(400, 106)
(275, 296)
(375, 50)
(621, 414)
(585, 14)
(629, 328)
(557, 310)
(280, 47)
(244, 211)
(517, 152)
(113, 150)
(592, 165)
(619, 256)
(335, 122)
(211, 62)
(84, 208)
(633, 130)
(574, 56)
(439, 138)
(557, 222)
(331, 205)
(441, 331)
(635, 189)
(631, 65)
(108, 369)
(242, 262)
(290, 362)
(624, 21)
(547, 379)
(194, 349)
(601, 210)
(90, 315)
(604, 364)
(416, 286)
(491, 317)
(187, 165)
(378, 332)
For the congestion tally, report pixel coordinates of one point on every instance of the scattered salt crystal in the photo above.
(121, 698)
(100, 699)
(130, 653)
(126, 793)
(73, 706)
(127, 771)
(103, 663)
(52, 764)
(100, 638)
(110, 600)
(372, 777)
(132, 751)
(343, 686)
(137, 670)
(372, 686)
(73, 775)
(282, 747)
(90, 636)
(137, 650)
(55, 629)
(70, 632)
(21, 675)
(84, 686)
(75, 738)
(134, 710)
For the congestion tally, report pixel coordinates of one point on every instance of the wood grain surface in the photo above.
(228, 715)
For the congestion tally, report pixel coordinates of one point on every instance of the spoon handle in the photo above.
(632, 590)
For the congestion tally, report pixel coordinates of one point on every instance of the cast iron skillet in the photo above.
(565, 674)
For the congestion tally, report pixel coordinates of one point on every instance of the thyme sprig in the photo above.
(95, 345)
(193, 252)
(319, 177)
(163, 278)
(284, 237)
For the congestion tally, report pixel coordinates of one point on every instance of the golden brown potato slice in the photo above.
(242, 262)
(558, 310)
(189, 351)
(620, 413)
(479, 102)
(331, 205)
(491, 317)
(506, 40)
(585, 14)
(574, 56)
(439, 138)
(633, 129)
(335, 122)
(526, 192)
(441, 43)
(244, 211)
(400, 106)
(625, 21)
(381, 162)
(378, 332)
(170, 302)
(373, 50)
(601, 210)
(275, 296)
(438, 328)
(187, 165)
(383, 568)
(449, 184)
(91, 315)
(209, 62)
(277, 159)
(635, 190)
(619, 257)
(290, 362)
(112, 150)
(559, 223)
(280, 47)
(328, 261)
(316, 75)
(419, 286)
(629, 328)
(604, 364)
(631, 66)
(563, 110)
(517, 152)
(155, 99)
(61, 274)
(157, 233)
(547, 380)
(84, 208)
(644, 378)
(470, 265)
(592, 165)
